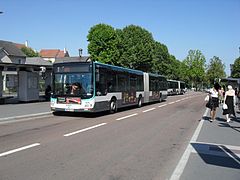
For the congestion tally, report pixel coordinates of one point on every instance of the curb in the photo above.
(2, 120)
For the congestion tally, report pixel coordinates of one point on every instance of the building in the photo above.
(10, 53)
(21, 76)
(52, 54)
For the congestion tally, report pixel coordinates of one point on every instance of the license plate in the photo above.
(69, 108)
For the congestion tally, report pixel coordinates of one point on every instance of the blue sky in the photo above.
(212, 26)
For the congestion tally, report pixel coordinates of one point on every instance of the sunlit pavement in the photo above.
(214, 152)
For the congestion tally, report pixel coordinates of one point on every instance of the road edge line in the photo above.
(184, 159)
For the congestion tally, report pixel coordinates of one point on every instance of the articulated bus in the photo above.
(95, 87)
(176, 87)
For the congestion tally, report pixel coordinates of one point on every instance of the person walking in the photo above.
(214, 94)
(229, 100)
(221, 95)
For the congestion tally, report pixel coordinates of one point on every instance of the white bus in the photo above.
(94, 87)
(176, 87)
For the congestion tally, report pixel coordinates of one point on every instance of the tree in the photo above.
(136, 48)
(160, 59)
(29, 52)
(236, 69)
(103, 43)
(215, 69)
(195, 64)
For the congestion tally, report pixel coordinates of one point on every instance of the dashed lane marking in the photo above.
(149, 110)
(19, 149)
(83, 130)
(131, 115)
(162, 105)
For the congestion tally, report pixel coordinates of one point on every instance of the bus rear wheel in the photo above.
(113, 106)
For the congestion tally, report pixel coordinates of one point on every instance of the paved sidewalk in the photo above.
(214, 152)
(21, 110)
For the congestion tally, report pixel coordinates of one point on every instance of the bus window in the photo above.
(101, 78)
(122, 82)
(111, 81)
(139, 83)
(133, 83)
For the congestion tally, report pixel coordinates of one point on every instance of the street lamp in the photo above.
(1, 12)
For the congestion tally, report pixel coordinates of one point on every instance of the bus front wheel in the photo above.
(113, 106)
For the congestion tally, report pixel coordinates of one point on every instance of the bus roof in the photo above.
(156, 75)
(120, 68)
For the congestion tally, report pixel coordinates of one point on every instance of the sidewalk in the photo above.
(15, 110)
(214, 154)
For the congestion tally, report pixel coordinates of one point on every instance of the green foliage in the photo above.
(136, 48)
(236, 68)
(103, 44)
(29, 52)
(161, 59)
(195, 66)
(215, 69)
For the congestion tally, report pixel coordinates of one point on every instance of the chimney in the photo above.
(26, 43)
(80, 52)
(64, 50)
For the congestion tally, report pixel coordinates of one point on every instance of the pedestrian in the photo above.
(229, 100)
(221, 95)
(214, 94)
(48, 91)
(238, 97)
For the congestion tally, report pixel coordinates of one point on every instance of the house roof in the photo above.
(73, 59)
(37, 61)
(11, 49)
(19, 46)
(52, 53)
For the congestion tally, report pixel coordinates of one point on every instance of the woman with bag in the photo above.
(214, 100)
(229, 100)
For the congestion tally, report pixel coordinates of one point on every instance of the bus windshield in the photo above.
(73, 84)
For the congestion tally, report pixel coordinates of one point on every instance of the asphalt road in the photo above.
(139, 143)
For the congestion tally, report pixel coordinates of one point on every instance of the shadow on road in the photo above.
(218, 155)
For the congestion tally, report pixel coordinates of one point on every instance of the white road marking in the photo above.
(205, 148)
(121, 118)
(82, 130)
(162, 105)
(178, 100)
(19, 149)
(227, 146)
(149, 110)
(229, 154)
(171, 103)
(184, 159)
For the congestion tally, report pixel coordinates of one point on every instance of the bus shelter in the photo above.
(25, 78)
